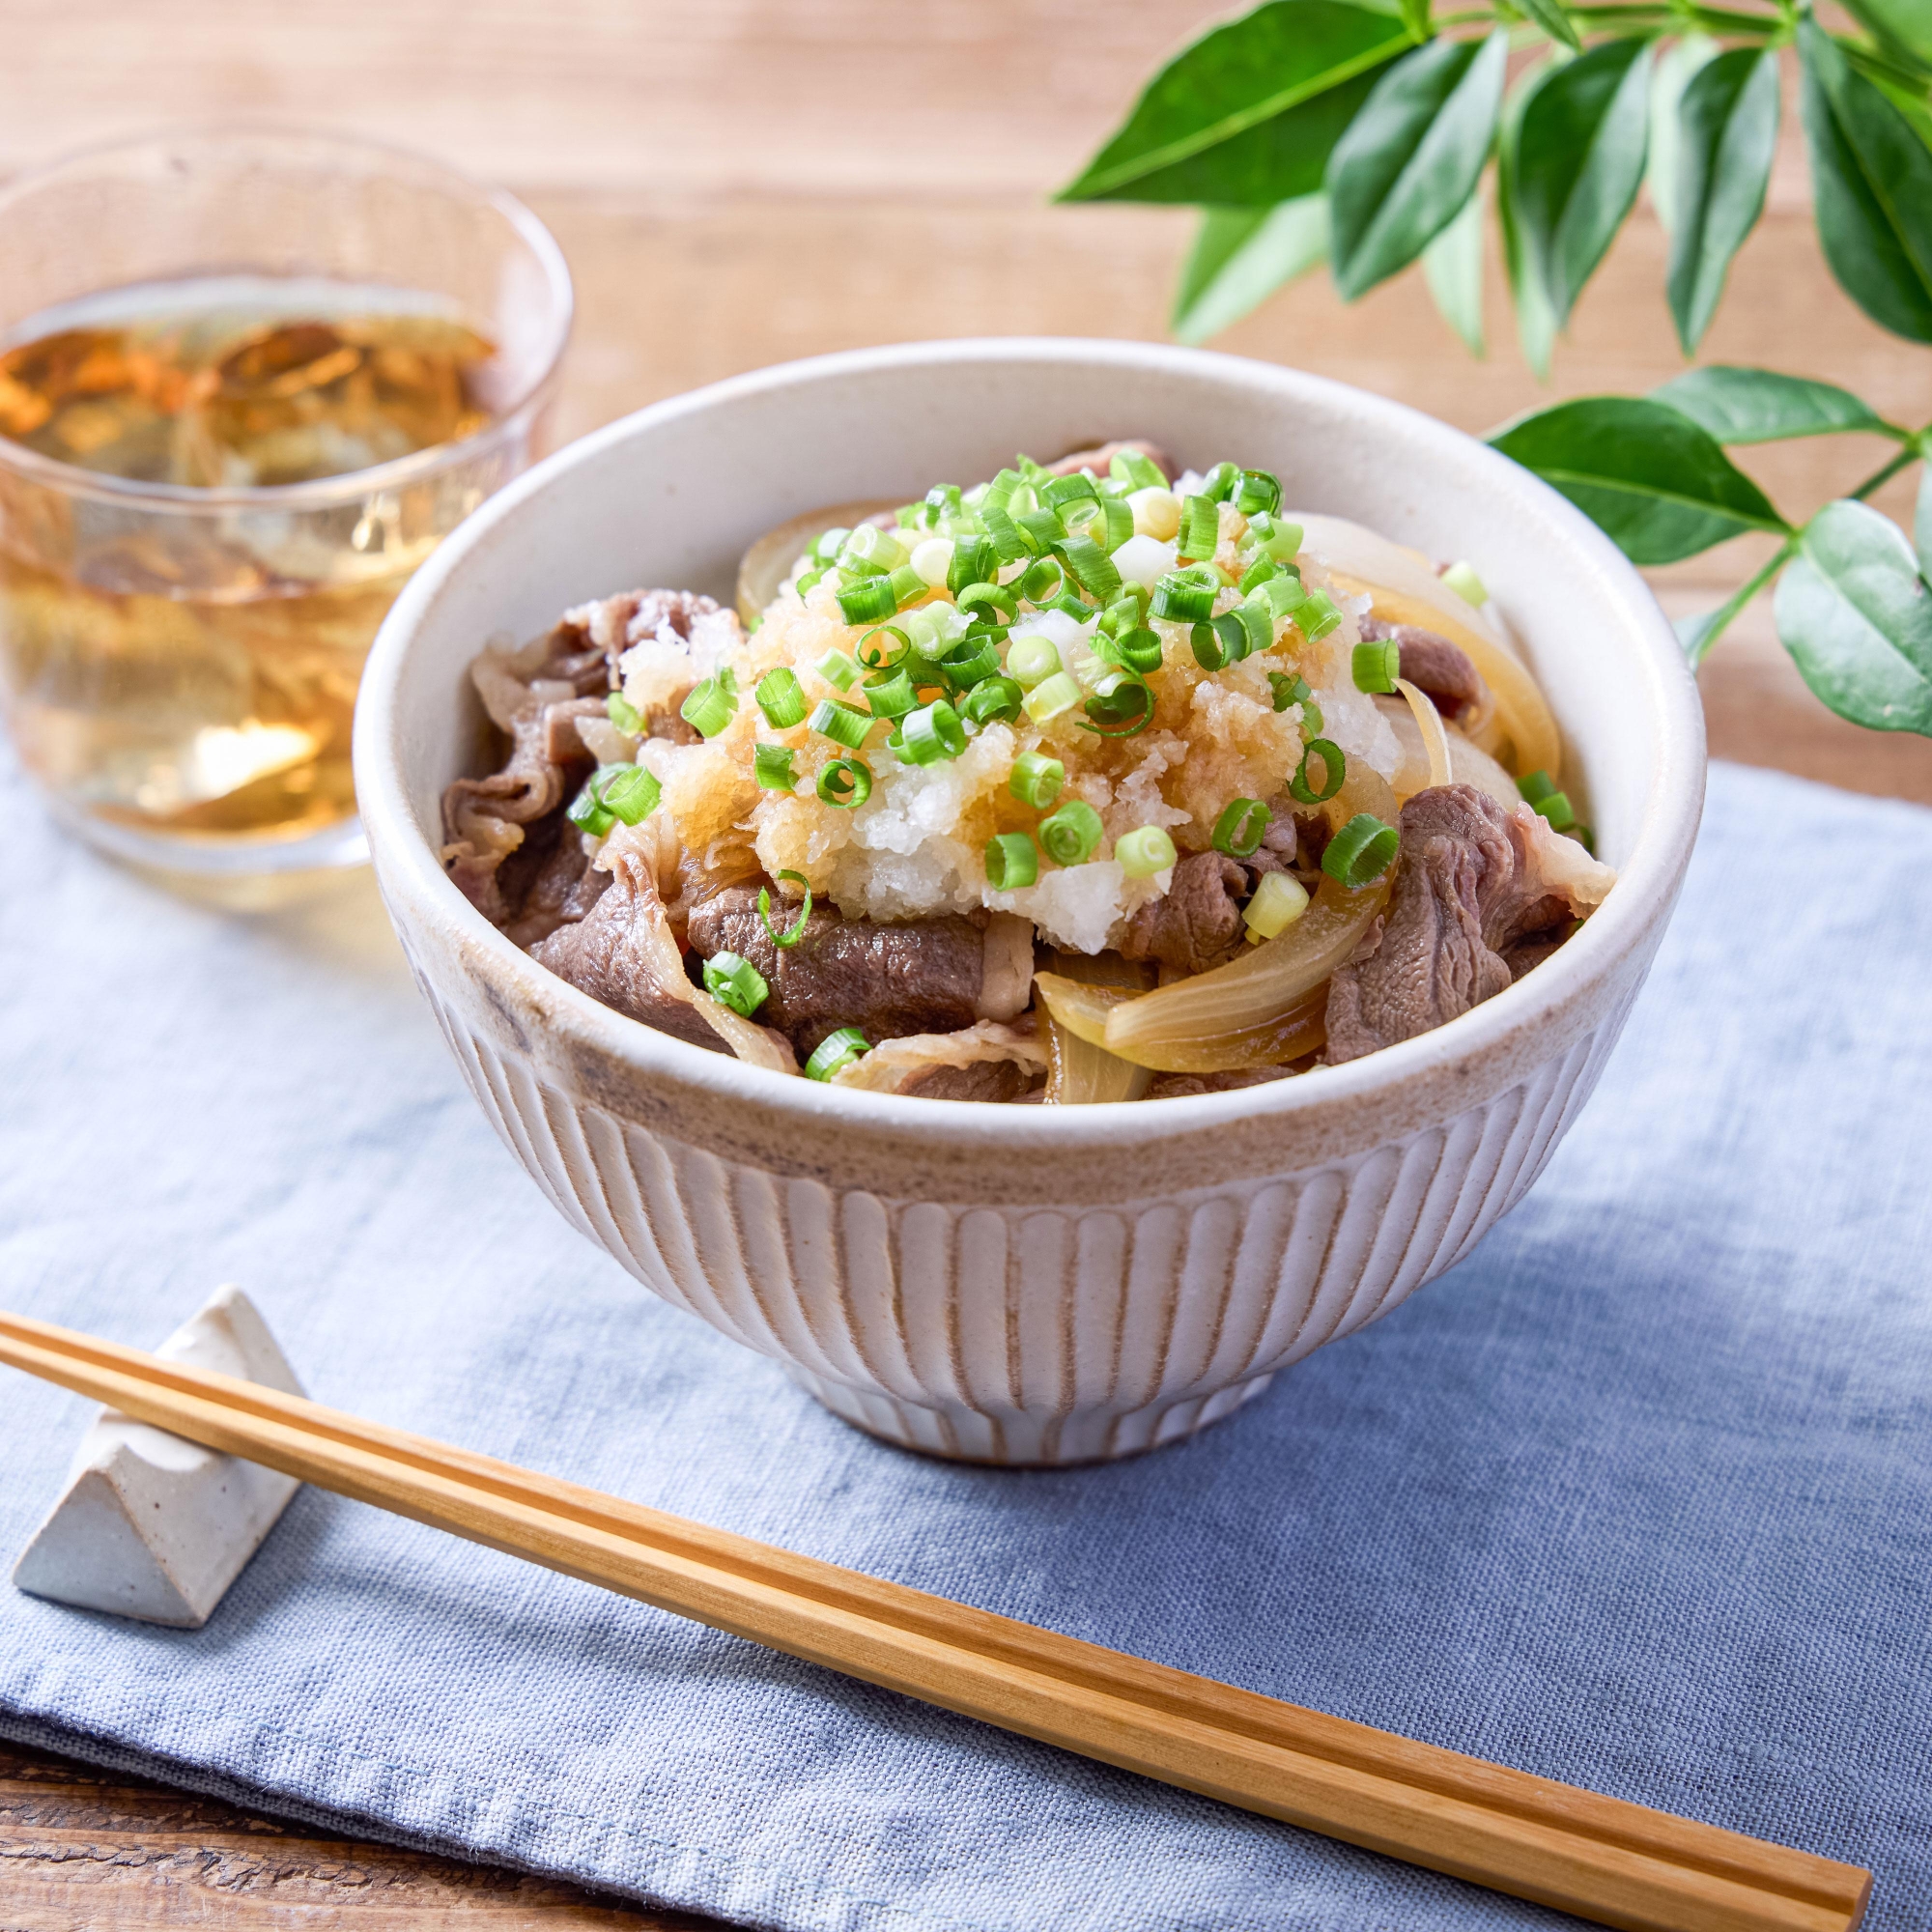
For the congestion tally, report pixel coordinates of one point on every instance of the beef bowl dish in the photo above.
(819, 827)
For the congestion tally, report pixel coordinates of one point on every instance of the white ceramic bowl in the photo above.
(1025, 1285)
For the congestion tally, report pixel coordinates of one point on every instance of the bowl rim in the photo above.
(1625, 924)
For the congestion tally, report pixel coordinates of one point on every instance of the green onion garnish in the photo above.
(1283, 541)
(1199, 530)
(1554, 806)
(1011, 861)
(994, 700)
(1223, 480)
(1112, 527)
(843, 723)
(1317, 615)
(1334, 769)
(1291, 689)
(871, 547)
(1035, 779)
(709, 707)
(781, 700)
(1035, 473)
(944, 497)
(1040, 530)
(971, 561)
(1182, 600)
(1361, 852)
(1535, 786)
(782, 939)
(1057, 491)
(1049, 699)
(588, 811)
(1465, 583)
(1279, 900)
(1135, 471)
(1258, 490)
(1260, 572)
(771, 766)
(805, 584)
(1009, 545)
(1046, 579)
(1122, 705)
(845, 783)
(973, 662)
(1285, 594)
(836, 668)
(1092, 566)
(869, 600)
(827, 545)
(1376, 665)
(735, 983)
(1139, 650)
(1032, 660)
(623, 714)
(1144, 852)
(1238, 631)
(1070, 834)
(1237, 832)
(882, 657)
(931, 734)
(993, 597)
(908, 587)
(835, 1050)
(632, 794)
(1206, 643)
(891, 697)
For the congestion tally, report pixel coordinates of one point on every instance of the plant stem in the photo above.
(1717, 19)
(1906, 457)
(1706, 631)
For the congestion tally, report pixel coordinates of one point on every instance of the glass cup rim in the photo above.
(399, 473)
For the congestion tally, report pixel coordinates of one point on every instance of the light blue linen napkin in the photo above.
(1639, 1497)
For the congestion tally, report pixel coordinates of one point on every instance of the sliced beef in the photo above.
(991, 1080)
(987, 1062)
(1280, 843)
(922, 975)
(1176, 1085)
(1472, 885)
(1101, 454)
(1195, 923)
(1433, 665)
(562, 888)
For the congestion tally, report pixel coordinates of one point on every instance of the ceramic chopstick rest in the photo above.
(153, 1526)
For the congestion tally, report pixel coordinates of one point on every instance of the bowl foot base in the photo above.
(1019, 1438)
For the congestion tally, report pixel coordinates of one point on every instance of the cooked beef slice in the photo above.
(924, 976)
(1280, 843)
(1433, 665)
(1469, 889)
(562, 889)
(992, 1080)
(1176, 1085)
(1193, 926)
(1101, 454)
(990, 1060)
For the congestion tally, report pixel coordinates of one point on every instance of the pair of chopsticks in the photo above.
(1618, 1863)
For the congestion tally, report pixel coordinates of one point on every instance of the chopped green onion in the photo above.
(873, 548)
(1039, 530)
(1465, 583)
(781, 700)
(1125, 613)
(1279, 900)
(944, 497)
(1070, 834)
(835, 1050)
(971, 562)
(1136, 470)
(784, 938)
(1199, 530)
(1283, 541)
(1585, 838)
(1361, 852)
(588, 811)
(1004, 488)
(1144, 852)
(1035, 473)
(1043, 580)
(1139, 650)
(623, 714)
(931, 631)
(970, 664)
(869, 600)
(1376, 665)
(1032, 660)
(892, 697)
(1113, 525)
(993, 700)
(836, 668)
(993, 596)
(1050, 698)
(1092, 566)
(1291, 689)
(1258, 490)
(805, 584)
(1554, 806)
(1535, 786)
(908, 587)
(1243, 630)
(1206, 643)
(1011, 862)
(1223, 480)
(631, 793)
(827, 545)
(1237, 832)
(1035, 779)
(883, 657)
(1284, 595)
(709, 707)
(771, 766)
(734, 981)
(1258, 572)
(1317, 615)
(1334, 769)
(1057, 491)
(843, 723)
(931, 734)
(845, 783)
(1183, 599)
(1009, 545)
(1122, 706)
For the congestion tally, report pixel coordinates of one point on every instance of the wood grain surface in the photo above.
(744, 182)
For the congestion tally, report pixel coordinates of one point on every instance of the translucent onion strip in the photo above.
(1435, 739)
(769, 561)
(1081, 1072)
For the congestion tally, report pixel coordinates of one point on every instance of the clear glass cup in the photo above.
(178, 665)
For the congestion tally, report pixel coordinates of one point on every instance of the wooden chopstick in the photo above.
(1604, 1860)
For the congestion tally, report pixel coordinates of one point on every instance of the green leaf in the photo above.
(1241, 257)
(1921, 522)
(1550, 16)
(1857, 618)
(1411, 158)
(1899, 27)
(1871, 180)
(1246, 116)
(1453, 267)
(1579, 161)
(1729, 134)
(1675, 66)
(1658, 484)
(1535, 319)
(1760, 405)
(1415, 18)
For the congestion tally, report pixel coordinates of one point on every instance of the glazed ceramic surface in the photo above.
(1011, 1284)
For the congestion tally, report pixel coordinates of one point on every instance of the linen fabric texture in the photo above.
(1638, 1498)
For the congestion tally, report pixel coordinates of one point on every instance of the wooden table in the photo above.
(740, 182)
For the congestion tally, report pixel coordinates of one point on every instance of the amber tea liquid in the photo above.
(189, 666)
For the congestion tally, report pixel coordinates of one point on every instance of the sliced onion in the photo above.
(768, 563)
(1470, 764)
(1081, 1072)
(1429, 722)
(1403, 589)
